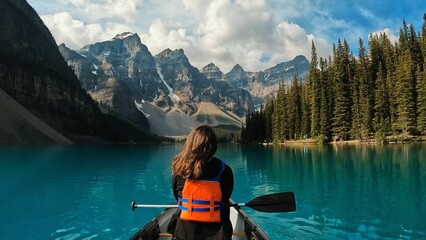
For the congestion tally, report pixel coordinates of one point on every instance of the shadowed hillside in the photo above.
(33, 72)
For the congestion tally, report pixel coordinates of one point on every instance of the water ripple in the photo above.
(88, 238)
(65, 230)
(70, 236)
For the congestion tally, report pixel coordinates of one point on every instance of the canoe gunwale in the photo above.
(152, 229)
(252, 230)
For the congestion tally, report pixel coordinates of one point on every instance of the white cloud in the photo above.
(291, 9)
(367, 14)
(234, 32)
(257, 34)
(225, 32)
(194, 5)
(226, 22)
(108, 9)
(75, 33)
(391, 35)
(160, 37)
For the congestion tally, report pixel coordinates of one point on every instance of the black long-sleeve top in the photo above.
(199, 230)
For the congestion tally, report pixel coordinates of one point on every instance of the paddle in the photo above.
(276, 202)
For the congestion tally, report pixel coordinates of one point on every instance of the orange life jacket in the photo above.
(201, 200)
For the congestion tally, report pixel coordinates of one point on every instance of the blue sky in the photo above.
(257, 34)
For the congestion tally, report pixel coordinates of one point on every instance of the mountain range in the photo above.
(262, 84)
(116, 90)
(125, 78)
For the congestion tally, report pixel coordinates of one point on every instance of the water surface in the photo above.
(344, 192)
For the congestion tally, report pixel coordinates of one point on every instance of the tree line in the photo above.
(378, 93)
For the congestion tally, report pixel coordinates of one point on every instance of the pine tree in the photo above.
(298, 107)
(342, 109)
(331, 93)
(357, 127)
(382, 113)
(306, 116)
(247, 130)
(376, 55)
(261, 124)
(423, 42)
(405, 94)
(325, 119)
(366, 91)
(279, 125)
(315, 87)
(287, 112)
(415, 49)
(269, 110)
(421, 84)
(295, 113)
(421, 99)
(391, 60)
(403, 38)
(275, 124)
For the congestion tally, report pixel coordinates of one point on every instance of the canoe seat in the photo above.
(235, 235)
(239, 236)
(165, 236)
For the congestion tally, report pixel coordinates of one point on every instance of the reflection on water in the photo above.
(342, 192)
(80, 192)
(360, 192)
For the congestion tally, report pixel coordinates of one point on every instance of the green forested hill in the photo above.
(378, 93)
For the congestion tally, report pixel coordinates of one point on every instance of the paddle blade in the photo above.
(277, 202)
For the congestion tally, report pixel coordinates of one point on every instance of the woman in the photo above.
(202, 184)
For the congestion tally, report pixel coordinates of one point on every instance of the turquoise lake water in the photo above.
(344, 192)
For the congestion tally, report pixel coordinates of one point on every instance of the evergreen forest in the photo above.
(380, 94)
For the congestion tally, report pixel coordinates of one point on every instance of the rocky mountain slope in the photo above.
(113, 87)
(177, 124)
(191, 87)
(19, 126)
(124, 78)
(209, 113)
(260, 84)
(34, 73)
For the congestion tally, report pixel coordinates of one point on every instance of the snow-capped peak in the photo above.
(124, 35)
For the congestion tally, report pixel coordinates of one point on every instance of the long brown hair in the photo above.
(200, 145)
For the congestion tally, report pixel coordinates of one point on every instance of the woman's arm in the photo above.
(227, 183)
(177, 186)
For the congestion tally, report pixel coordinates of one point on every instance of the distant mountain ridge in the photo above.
(122, 75)
(263, 83)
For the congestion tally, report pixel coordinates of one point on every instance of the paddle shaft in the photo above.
(174, 205)
(155, 206)
(277, 202)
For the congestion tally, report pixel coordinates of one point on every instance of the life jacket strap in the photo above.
(194, 201)
(198, 209)
(211, 208)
